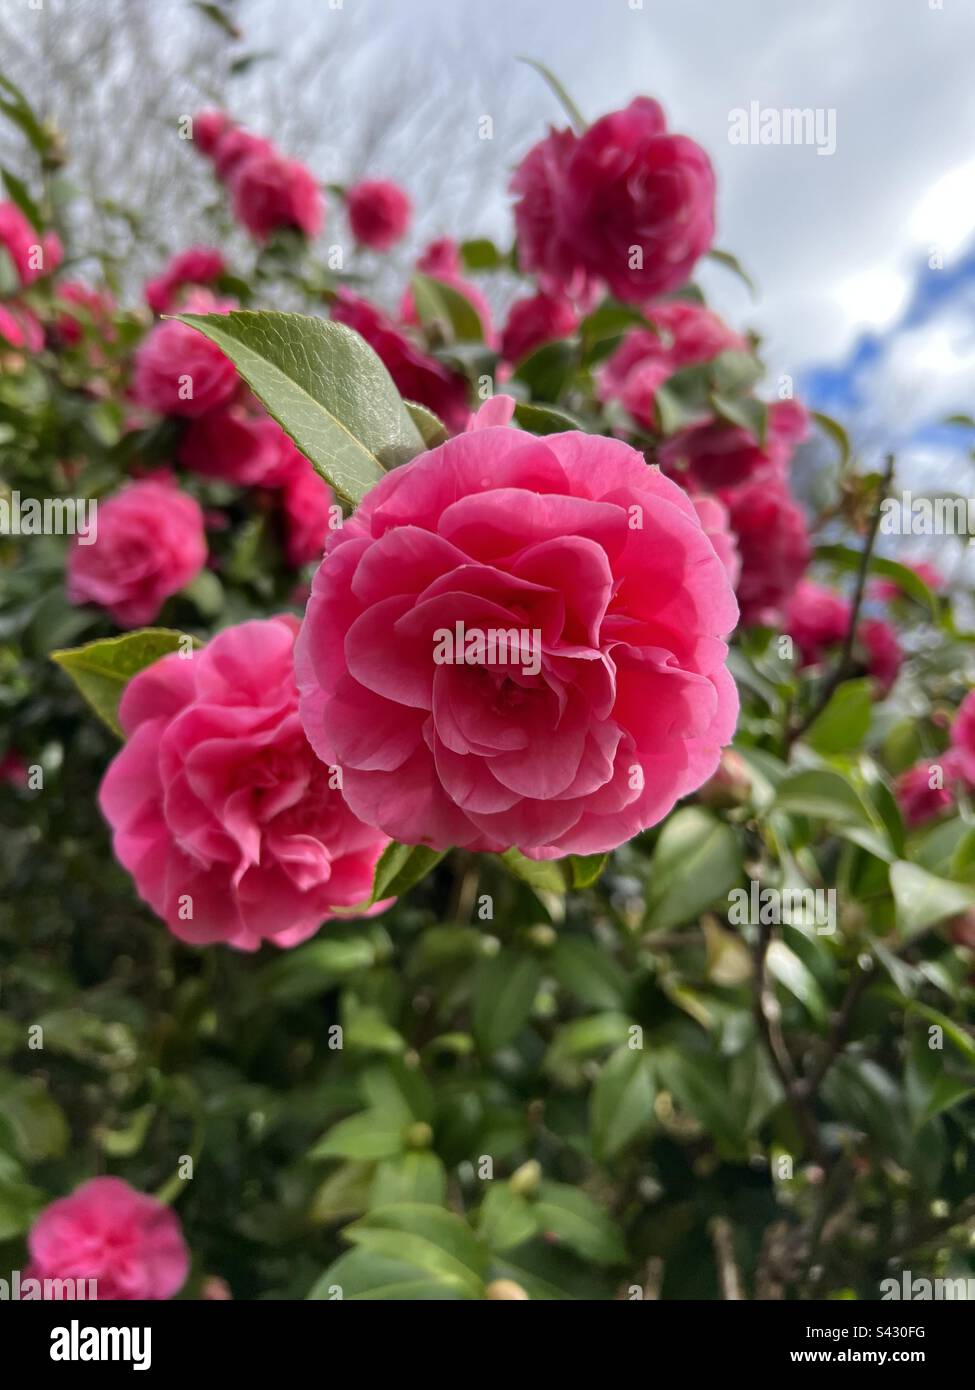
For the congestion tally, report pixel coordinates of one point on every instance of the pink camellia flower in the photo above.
(270, 192)
(416, 376)
(236, 444)
(963, 739)
(234, 146)
(379, 213)
(637, 203)
(889, 589)
(544, 244)
(149, 543)
(229, 824)
(198, 265)
(307, 504)
(20, 327)
(178, 371)
(773, 542)
(208, 127)
(882, 651)
(97, 304)
(716, 456)
(130, 1243)
(538, 319)
(713, 516)
(32, 255)
(924, 791)
(13, 769)
(816, 618)
(441, 257)
(686, 335)
(518, 642)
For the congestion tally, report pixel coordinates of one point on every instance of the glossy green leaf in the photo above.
(326, 388)
(101, 670)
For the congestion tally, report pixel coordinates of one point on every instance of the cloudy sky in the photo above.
(840, 244)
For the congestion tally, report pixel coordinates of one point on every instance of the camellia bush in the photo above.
(471, 830)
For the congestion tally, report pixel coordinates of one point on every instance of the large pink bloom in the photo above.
(129, 1242)
(180, 372)
(270, 192)
(604, 562)
(220, 810)
(639, 202)
(379, 213)
(626, 203)
(149, 543)
(544, 244)
(687, 334)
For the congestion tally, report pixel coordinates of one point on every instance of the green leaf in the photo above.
(836, 433)
(448, 308)
(481, 254)
(696, 861)
(32, 1119)
(504, 992)
(366, 1275)
(537, 873)
(432, 430)
(795, 976)
(921, 899)
(19, 1205)
(588, 972)
(568, 105)
(326, 388)
(18, 193)
(547, 371)
(410, 1177)
(580, 1223)
(312, 969)
(431, 1239)
(364, 1136)
(850, 560)
(747, 413)
(400, 867)
(584, 1037)
(506, 1218)
(621, 1104)
(824, 795)
(843, 724)
(101, 670)
(732, 263)
(585, 869)
(543, 419)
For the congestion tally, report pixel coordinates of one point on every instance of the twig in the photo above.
(845, 663)
(729, 1275)
(765, 1009)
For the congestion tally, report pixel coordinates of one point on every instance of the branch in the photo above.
(765, 1010)
(844, 666)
